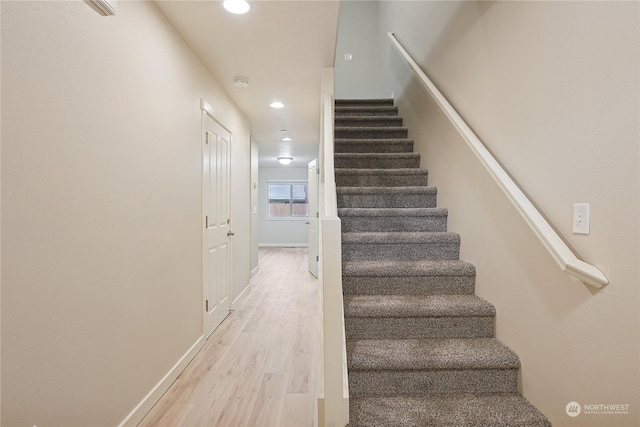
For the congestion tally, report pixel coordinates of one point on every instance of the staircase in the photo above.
(420, 345)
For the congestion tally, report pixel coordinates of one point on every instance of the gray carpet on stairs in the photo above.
(420, 345)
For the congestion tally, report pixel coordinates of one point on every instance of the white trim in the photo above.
(283, 245)
(255, 271)
(240, 298)
(205, 106)
(145, 405)
(558, 249)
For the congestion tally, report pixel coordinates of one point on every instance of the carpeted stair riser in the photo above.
(370, 133)
(418, 327)
(386, 220)
(408, 278)
(408, 285)
(368, 121)
(424, 366)
(381, 177)
(420, 382)
(450, 410)
(366, 111)
(417, 306)
(386, 197)
(408, 268)
(400, 246)
(398, 145)
(363, 102)
(377, 160)
(411, 316)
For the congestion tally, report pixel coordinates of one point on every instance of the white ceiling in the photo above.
(281, 46)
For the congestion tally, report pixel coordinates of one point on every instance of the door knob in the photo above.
(231, 234)
(307, 222)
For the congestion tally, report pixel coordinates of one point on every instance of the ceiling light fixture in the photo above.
(285, 160)
(276, 104)
(237, 7)
(286, 138)
(241, 81)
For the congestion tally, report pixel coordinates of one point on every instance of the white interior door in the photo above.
(313, 217)
(216, 172)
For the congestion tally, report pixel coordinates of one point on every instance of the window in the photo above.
(287, 200)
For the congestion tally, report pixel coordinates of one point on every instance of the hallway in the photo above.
(258, 367)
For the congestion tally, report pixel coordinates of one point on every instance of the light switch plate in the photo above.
(348, 57)
(581, 218)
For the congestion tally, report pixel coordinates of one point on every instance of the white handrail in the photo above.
(558, 249)
(333, 399)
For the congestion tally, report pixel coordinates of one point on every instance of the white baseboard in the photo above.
(283, 245)
(238, 300)
(161, 388)
(255, 271)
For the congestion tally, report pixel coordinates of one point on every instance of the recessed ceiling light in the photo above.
(241, 81)
(236, 6)
(277, 104)
(286, 138)
(285, 160)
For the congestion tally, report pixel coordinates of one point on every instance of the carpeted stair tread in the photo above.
(392, 212)
(386, 190)
(430, 354)
(381, 171)
(363, 102)
(367, 110)
(377, 160)
(400, 246)
(386, 197)
(420, 283)
(417, 317)
(362, 132)
(393, 237)
(417, 306)
(373, 145)
(368, 121)
(393, 219)
(382, 177)
(457, 410)
(377, 156)
(407, 268)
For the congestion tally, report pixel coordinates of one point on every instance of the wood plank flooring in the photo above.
(259, 367)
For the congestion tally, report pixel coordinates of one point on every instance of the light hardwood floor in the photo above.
(258, 368)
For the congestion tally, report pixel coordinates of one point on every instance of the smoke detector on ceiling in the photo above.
(241, 81)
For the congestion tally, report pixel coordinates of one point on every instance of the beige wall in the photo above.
(357, 30)
(552, 89)
(101, 199)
